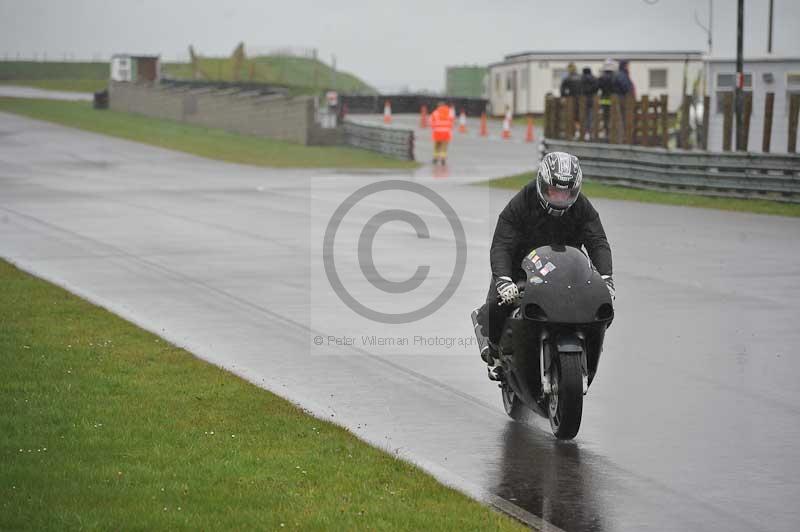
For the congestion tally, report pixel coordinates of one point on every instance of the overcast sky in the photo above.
(390, 44)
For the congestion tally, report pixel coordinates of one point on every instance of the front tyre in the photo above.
(512, 403)
(565, 403)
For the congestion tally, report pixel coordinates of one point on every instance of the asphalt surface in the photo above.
(14, 91)
(469, 155)
(691, 424)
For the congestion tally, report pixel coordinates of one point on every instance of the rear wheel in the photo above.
(565, 403)
(512, 404)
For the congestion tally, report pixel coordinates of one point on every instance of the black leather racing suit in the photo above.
(524, 225)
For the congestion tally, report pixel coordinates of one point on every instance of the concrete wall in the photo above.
(249, 113)
(767, 76)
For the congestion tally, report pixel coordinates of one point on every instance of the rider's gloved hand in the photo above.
(610, 285)
(507, 290)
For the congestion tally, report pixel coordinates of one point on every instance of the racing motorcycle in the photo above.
(551, 343)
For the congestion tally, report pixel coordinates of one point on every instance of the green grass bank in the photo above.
(51, 70)
(598, 190)
(302, 72)
(210, 143)
(104, 426)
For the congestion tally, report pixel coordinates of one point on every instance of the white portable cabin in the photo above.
(521, 81)
(126, 67)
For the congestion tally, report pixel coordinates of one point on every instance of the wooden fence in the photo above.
(646, 122)
(623, 121)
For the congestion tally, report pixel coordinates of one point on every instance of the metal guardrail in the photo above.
(745, 175)
(398, 143)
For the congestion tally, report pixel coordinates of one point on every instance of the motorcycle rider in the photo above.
(548, 210)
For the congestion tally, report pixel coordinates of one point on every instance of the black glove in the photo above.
(610, 285)
(507, 290)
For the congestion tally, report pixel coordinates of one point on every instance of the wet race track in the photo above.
(691, 424)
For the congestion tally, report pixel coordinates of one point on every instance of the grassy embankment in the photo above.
(105, 426)
(56, 75)
(291, 71)
(598, 190)
(303, 74)
(211, 143)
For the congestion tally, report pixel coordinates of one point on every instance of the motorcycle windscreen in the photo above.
(563, 287)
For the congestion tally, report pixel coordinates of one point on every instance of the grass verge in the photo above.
(105, 426)
(67, 85)
(211, 143)
(598, 190)
(44, 70)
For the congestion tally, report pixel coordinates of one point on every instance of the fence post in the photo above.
(644, 123)
(547, 114)
(706, 116)
(727, 121)
(748, 110)
(569, 115)
(583, 115)
(664, 122)
(794, 107)
(630, 102)
(616, 120)
(767, 135)
(559, 122)
(684, 134)
(595, 116)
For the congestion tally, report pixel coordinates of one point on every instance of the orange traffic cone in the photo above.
(387, 112)
(507, 126)
(529, 134)
(423, 116)
(462, 122)
(484, 130)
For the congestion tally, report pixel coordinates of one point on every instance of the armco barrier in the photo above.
(398, 143)
(745, 175)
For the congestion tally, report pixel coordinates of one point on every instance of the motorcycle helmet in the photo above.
(558, 182)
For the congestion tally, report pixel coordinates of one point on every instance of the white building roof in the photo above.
(578, 55)
(770, 59)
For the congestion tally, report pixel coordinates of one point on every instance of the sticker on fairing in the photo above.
(549, 267)
(532, 255)
(538, 264)
(535, 280)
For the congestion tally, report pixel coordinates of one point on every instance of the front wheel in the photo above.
(565, 403)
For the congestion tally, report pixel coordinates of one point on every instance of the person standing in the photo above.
(588, 90)
(571, 83)
(571, 88)
(623, 85)
(441, 129)
(605, 83)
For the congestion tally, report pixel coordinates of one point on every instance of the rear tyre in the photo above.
(565, 404)
(512, 404)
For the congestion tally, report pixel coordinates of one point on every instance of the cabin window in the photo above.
(658, 78)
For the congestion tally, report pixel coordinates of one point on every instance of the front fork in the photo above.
(570, 346)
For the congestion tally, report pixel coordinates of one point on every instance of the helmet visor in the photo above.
(559, 197)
